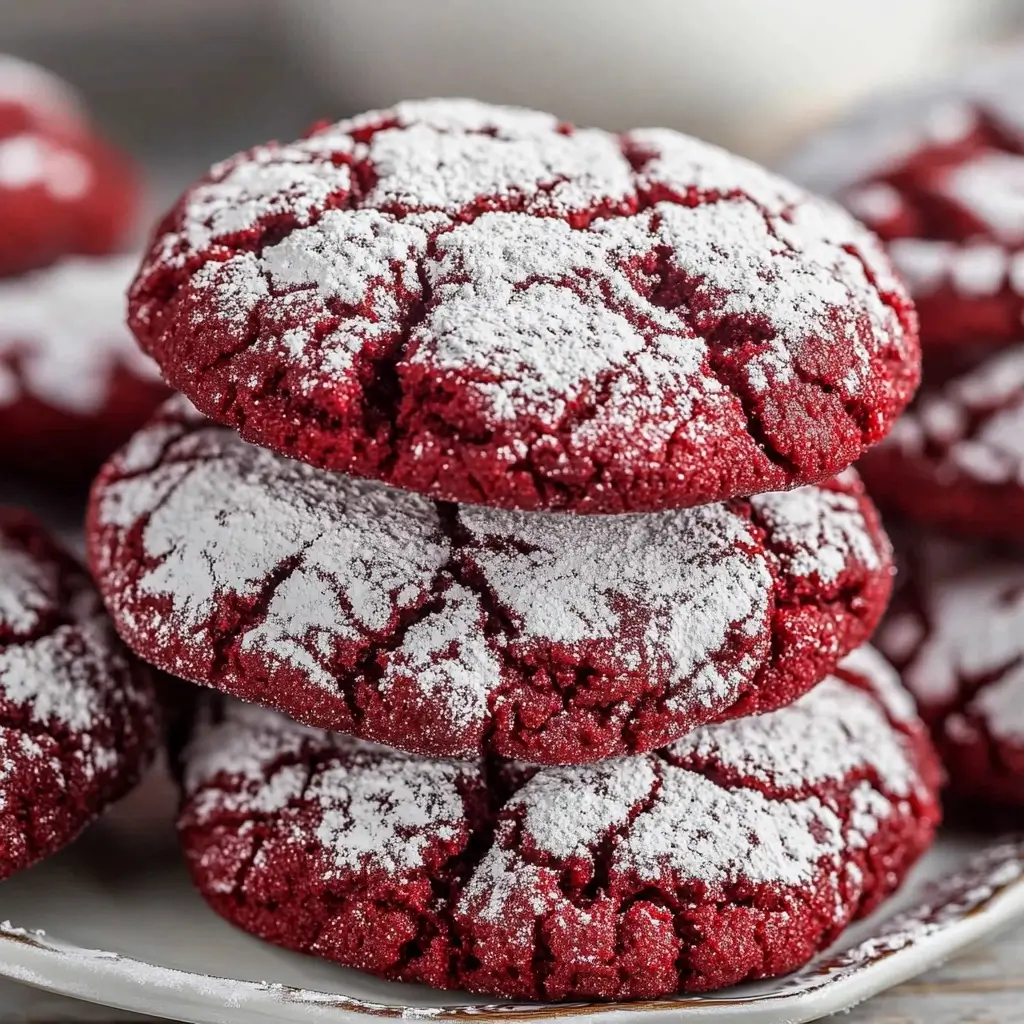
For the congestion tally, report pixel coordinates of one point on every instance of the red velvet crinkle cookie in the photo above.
(62, 188)
(956, 632)
(956, 460)
(73, 384)
(450, 630)
(481, 304)
(77, 711)
(736, 853)
(938, 173)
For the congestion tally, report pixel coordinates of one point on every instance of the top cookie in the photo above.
(938, 173)
(485, 305)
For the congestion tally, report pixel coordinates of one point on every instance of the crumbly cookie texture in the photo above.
(736, 853)
(482, 304)
(938, 174)
(77, 712)
(956, 632)
(956, 460)
(451, 630)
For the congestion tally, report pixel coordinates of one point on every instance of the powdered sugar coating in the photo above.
(605, 309)
(65, 327)
(808, 745)
(34, 161)
(449, 630)
(569, 858)
(957, 457)
(77, 714)
(957, 634)
(821, 531)
(939, 174)
(73, 383)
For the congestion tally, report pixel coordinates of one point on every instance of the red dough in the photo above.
(76, 710)
(62, 189)
(73, 384)
(737, 853)
(956, 460)
(956, 632)
(452, 630)
(483, 305)
(939, 174)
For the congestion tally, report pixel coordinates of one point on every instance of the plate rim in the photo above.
(984, 896)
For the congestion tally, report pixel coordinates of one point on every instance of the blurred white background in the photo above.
(183, 82)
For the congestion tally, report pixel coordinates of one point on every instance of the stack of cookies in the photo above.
(939, 174)
(511, 466)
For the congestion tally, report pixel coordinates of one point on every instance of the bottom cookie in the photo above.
(736, 853)
(956, 632)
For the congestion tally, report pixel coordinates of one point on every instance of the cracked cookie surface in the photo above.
(938, 173)
(956, 633)
(956, 459)
(452, 630)
(73, 384)
(481, 304)
(77, 711)
(62, 188)
(734, 854)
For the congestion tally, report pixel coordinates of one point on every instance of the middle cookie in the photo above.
(452, 630)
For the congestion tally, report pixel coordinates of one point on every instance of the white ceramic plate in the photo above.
(114, 920)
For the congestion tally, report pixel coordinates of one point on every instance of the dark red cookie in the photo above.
(737, 853)
(956, 460)
(76, 710)
(939, 174)
(450, 630)
(483, 305)
(956, 632)
(73, 384)
(62, 188)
